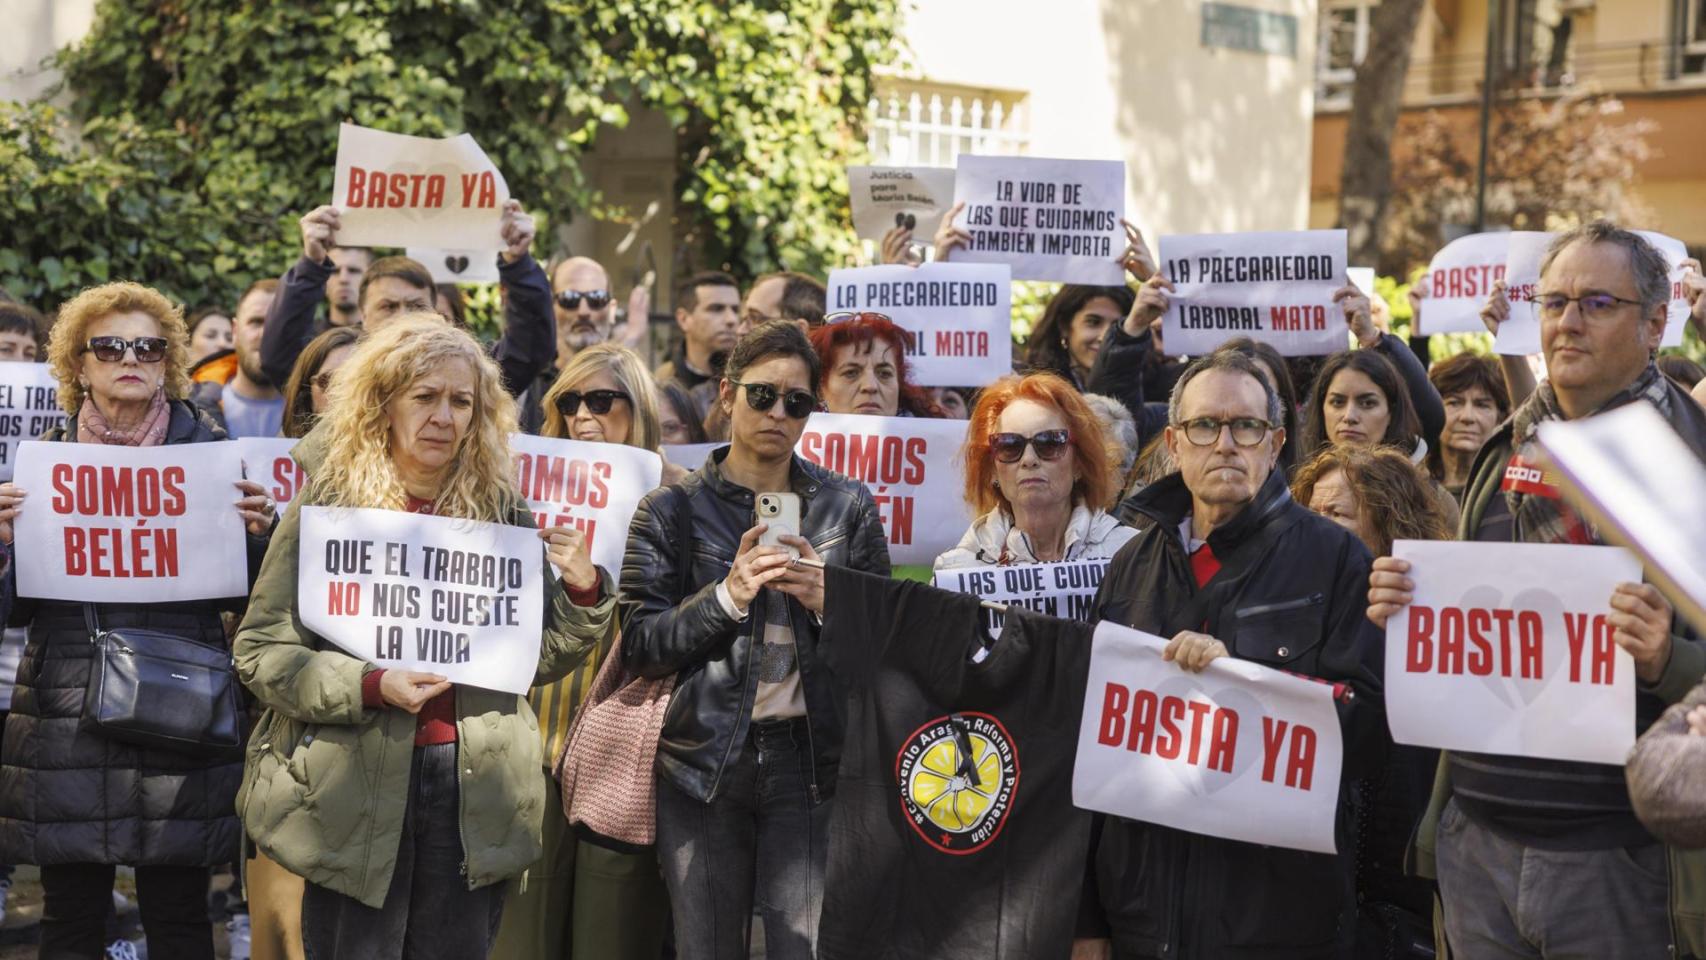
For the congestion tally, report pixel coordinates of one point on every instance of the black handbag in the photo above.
(153, 689)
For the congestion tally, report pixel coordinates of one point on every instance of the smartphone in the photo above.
(780, 512)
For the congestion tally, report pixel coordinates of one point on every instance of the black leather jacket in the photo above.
(666, 630)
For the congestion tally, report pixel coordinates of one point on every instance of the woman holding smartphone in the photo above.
(747, 758)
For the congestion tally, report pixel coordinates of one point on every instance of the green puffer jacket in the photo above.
(326, 780)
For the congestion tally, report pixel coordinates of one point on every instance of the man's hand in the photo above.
(1149, 307)
(754, 567)
(1390, 589)
(1137, 260)
(1497, 309)
(516, 228)
(1192, 651)
(1359, 314)
(949, 236)
(1640, 617)
(409, 691)
(319, 232)
(1694, 289)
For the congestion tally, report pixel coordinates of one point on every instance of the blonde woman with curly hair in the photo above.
(73, 802)
(403, 800)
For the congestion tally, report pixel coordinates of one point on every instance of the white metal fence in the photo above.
(935, 131)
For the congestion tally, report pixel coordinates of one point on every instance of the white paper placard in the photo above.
(1046, 219)
(1506, 650)
(393, 190)
(593, 487)
(1238, 751)
(410, 591)
(881, 194)
(1064, 590)
(689, 456)
(113, 524)
(1676, 315)
(1519, 335)
(959, 314)
(29, 408)
(1458, 282)
(457, 266)
(267, 461)
(908, 464)
(1273, 287)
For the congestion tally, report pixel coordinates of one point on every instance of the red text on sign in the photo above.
(92, 491)
(1298, 750)
(140, 554)
(563, 482)
(1479, 642)
(1169, 727)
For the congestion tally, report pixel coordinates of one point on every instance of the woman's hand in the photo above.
(949, 236)
(754, 567)
(1359, 314)
(11, 501)
(256, 508)
(801, 581)
(1137, 260)
(1149, 307)
(566, 548)
(897, 247)
(1497, 309)
(409, 691)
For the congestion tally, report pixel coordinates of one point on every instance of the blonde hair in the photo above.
(68, 341)
(480, 484)
(630, 373)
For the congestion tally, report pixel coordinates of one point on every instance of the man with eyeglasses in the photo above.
(1229, 565)
(1545, 858)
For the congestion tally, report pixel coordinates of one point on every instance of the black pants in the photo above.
(78, 898)
(429, 912)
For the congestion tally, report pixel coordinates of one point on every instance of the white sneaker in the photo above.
(237, 935)
(122, 950)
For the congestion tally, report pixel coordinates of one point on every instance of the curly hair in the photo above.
(865, 329)
(1396, 498)
(68, 341)
(1090, 443)
(626, 368)
(480, 484)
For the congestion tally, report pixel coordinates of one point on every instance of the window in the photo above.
(915, 124)
(1692, 41)
(1342, 46)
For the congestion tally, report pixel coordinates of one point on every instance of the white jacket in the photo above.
(993, 539)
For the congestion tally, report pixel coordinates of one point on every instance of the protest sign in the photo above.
(1676, 314)
(1624, 470)
(1363, 279)
(593, 487)
(1062, 590)
(393, 190)
(1238, 751)
(1458, 282)
(1519, 335)
(1046, 219)
(457, 266)
(113, 524)
(1506, 649)
(959, 314)
(907, 463)
(689, 456)
(29, 407)
(267, 461)
(410, 591)
(887, 197)
(1272, 287)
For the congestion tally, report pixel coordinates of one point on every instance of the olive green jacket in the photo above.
(326, 780)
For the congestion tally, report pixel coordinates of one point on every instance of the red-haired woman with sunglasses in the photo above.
(1038, 470)
(864, 369)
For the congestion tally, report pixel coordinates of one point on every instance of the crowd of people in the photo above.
(1247, 504)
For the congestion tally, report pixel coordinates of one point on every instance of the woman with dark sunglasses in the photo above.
(75, 803)
(1039, 467)
(580, 898)
(747, 758)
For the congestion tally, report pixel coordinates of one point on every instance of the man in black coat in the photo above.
(1232, 566)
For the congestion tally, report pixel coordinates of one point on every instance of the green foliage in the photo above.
(212, 125)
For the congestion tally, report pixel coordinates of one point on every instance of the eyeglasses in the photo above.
(598, 402)
(111, 349)
(1593, 306)
(595, 299)
(1246, 431)
(847, 316)
(762, 396)
(1010, 447)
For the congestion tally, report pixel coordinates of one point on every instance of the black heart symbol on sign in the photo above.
(456, 264)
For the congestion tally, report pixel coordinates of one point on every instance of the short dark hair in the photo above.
(687, 292)
(1466, 371)
(1230, 361)
(803, 298)
(409, 271)
(773, 338)
(18, 318)
(263, 285)
(1403, 427)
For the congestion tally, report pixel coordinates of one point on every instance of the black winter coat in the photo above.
(1290, 595)
(667, 631)
(68, 796)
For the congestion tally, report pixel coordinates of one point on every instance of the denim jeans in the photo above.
(78, 899)
(760, 840)
(429, 912)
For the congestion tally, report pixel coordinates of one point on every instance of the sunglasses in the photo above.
(595, 299)
(111, 349)
(762, 396)
(597, 401)
(849, 316)
(1010, 447)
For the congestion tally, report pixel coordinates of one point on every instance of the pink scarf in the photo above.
(150, 431)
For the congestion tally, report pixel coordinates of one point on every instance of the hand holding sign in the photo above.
(409, 691)
(1151, 305)
(517, 229)
(1641, 619)
(1390, 589)
(11, 501)
(566, 548)
(1192, 651)
(949, 236)
(319, 233)
(1136, 259)
(1359, 315)
(255, 507)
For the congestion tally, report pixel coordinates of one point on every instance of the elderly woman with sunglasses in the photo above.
(1038, 471)
(71, 801)
(747, 758)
